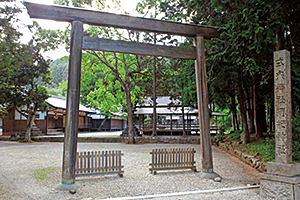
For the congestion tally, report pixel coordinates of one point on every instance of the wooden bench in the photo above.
(99, 163)
(172, 158)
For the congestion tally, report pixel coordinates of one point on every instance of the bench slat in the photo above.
(172, 158)
(98, 162)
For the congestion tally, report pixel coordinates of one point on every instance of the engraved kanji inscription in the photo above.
(279, 62)
(282, 99)
(279, 76)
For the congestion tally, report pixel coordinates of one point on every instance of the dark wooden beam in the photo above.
(99, 44)
(72, 112)
(60, 13)
(202, 96)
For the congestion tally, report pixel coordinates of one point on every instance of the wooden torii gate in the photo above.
(78, 17)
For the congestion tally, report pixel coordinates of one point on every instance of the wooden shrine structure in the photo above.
(78, 17)
(170, 118)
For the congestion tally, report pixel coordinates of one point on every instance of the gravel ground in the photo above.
(18, 162)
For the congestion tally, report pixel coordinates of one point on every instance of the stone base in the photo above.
(73, 186)
(210, 175)
(279, 187)
(292, 169)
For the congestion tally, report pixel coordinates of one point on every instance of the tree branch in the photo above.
(21, 113)
(115, 71)
(116, 58)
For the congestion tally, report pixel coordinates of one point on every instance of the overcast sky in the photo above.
(128, 5)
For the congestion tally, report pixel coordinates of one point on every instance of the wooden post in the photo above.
(46, 122)
(140, 123)
(223, 122)
(71, 130)
(183, 125)
(143, 123)
(171, 125)
(154, 132)
(202, 96)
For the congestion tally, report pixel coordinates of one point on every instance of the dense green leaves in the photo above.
(23, 67)
(243, 57)
(59, 72)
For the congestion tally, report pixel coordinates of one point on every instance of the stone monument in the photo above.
(282, 179)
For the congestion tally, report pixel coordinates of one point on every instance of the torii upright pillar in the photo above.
(202, 96)
(73, 95)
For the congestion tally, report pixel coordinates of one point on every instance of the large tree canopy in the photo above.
(23, 66)
(239, 65)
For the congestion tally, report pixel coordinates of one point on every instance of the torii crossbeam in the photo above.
(77, 17)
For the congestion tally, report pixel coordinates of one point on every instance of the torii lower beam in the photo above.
(118, 46)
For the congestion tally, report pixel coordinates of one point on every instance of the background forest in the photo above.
(239, 64)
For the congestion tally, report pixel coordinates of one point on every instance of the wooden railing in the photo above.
(98, 163)
(176, 158)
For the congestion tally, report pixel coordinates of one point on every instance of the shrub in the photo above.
(220, 135)
(265, 149)
(235, 135)
(296, 126)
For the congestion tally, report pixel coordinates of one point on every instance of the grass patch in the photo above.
(1, 192)
(235, 135)
(22, 141)
(263, 149)
(42, 174)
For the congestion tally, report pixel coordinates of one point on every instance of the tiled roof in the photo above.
(61, 102)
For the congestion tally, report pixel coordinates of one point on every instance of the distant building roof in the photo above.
(166, 105)
(166, 110)
(61, 102)
(161, 101)
(172, 110)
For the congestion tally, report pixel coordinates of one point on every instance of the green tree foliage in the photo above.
(240, 65)
(99, 87)
(59, 72)
(118, 84)
(63, 87)
(75, 3)
(120, 78)
(109, 80)
(22, 66)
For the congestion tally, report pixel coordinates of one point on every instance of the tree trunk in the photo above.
(183, 125)
(245, 135)
(280, 38)
(259, 109)
(130, 115)
(102, 123)
(234, 114)
(154, 131)
(30, 121)
(251, 119)
(249, 109)
(272, 120)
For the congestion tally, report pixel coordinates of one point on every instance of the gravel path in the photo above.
(18, 162)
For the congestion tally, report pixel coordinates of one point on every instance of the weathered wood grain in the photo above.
(99, 44)
(202, 96)
(60, 13)
(71, 128)
(173, 158)
(96, 163)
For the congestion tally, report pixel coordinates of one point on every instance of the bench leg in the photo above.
(153, 172)
(120, 175)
